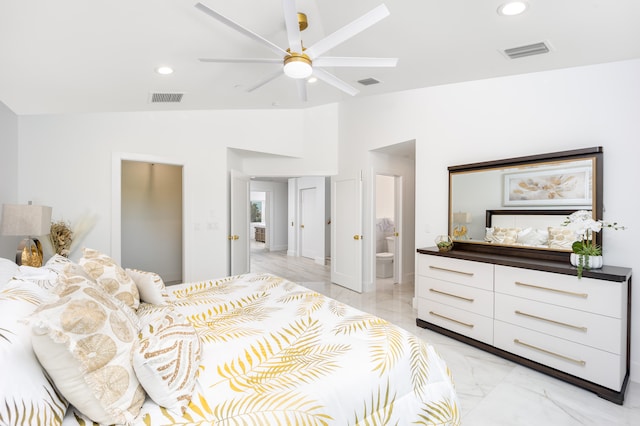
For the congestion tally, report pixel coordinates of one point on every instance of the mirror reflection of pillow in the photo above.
(533, 237)
(504, 235)
(561, 237)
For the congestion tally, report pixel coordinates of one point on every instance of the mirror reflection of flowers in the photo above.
(585, 226)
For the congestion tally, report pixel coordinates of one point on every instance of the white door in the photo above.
(346, 232)
(397, 258)
(307, 222)
(239, 223)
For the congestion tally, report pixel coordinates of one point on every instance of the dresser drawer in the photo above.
(593, 330)
(591, 364)
(465, 272)
(459, 296)
(586, 294)
(463, 322)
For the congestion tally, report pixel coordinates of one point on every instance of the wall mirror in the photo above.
(516, 206)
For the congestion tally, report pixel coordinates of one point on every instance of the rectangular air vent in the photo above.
(368, 81)
(166, 97)
(528, 50)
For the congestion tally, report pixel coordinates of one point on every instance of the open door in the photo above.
(346, 232)
(239, 223)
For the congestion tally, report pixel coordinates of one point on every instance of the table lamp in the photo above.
(460, 221)
(26, 220)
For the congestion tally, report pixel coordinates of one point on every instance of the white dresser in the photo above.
(538, 314)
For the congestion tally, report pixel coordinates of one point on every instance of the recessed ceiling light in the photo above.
(164, 70)
(512, 8)
(312, 80)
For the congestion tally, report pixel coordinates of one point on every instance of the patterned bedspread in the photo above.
(276, 353)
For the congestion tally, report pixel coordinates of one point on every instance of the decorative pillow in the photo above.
(43, 277)
(59, 264)
(110, 276)
(166, 357)
(502, 235)
(84, 342)
(561, 238)
(150, 286)
(29, 397)
(533, 237)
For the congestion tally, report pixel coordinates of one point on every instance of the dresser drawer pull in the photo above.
(570, 293)
(469, 274)
(451, 319)
(575, 327)
(566, 358)
(467, 299)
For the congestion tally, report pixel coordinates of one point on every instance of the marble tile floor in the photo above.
(492, 391)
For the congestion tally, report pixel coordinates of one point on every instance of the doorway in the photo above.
(388, 222)
(151, 218)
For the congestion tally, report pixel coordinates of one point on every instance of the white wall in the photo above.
(510, 117)
(73, 156)
(9, 173)
(385, 206)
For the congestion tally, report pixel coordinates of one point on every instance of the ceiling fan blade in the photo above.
(327, 61)
(266, 80)
(348, 31)
(302, 89)
(293, 28)
(335, 81)
(243, 60)
(221, 18)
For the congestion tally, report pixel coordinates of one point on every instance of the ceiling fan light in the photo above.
(297, 66)
(512, 8)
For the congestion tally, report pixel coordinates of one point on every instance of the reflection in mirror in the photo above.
(523, 202)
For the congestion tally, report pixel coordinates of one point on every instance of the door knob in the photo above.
(301, 226)
(356, 237)
(230, 237)
(236, 237)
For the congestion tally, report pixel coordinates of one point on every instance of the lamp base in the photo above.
(29, 253)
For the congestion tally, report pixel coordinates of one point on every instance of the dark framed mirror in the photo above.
(517, 206)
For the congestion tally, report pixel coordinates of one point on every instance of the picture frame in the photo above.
(549, 187)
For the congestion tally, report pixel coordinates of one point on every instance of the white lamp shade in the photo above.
(25, 220)
(462, 217)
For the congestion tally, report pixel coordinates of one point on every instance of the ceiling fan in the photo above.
(299, 62)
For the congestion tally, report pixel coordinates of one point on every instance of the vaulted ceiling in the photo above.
(98, 56)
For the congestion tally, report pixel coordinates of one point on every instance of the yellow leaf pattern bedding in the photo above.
(276, 353)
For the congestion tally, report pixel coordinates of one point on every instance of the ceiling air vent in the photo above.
(368, 81)
(166, 97)
(529, 50)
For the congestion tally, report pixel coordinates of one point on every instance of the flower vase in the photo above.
(589, 262)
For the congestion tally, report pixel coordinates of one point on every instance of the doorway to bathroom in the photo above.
(388, 190)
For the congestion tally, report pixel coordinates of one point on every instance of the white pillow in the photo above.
(110, 276)
(166, 356)
(84, 342)
(43, 277)
(28, 396)
(8, 269)
(150, 286)
(533, 237)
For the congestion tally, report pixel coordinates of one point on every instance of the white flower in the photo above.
(583, 223)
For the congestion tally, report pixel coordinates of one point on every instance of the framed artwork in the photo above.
(256, 211)
(552, 187)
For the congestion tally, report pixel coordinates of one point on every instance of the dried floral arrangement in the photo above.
(61, 237)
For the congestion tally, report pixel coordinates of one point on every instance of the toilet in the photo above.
(384, 261)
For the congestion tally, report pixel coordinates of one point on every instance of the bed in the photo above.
(530, 228)
(253, 349)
